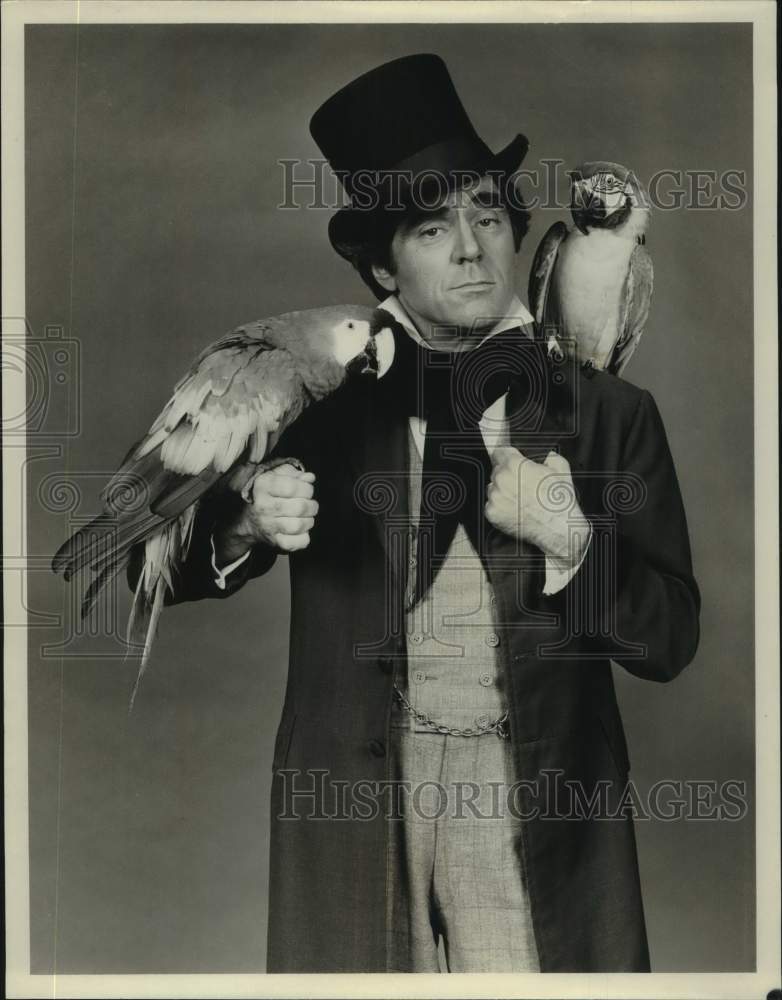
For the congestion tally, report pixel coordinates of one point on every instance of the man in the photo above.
(463, 644)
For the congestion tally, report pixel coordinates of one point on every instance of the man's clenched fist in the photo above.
(281, 513)
(537, 502)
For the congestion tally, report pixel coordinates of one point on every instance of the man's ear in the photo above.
(384, 278)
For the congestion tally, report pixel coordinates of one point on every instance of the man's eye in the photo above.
(488, 221)
(430, 231)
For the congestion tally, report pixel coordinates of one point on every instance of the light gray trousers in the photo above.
(456, 857)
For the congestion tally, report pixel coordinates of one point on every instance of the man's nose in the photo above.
(466, 247)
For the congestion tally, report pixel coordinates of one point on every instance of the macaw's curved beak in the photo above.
(582, 201)
(383, 329)
(377, 356)
(385, 349)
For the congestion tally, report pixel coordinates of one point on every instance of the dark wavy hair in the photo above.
(375, 249)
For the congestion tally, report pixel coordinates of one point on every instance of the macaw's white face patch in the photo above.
(607, 189)
(351, 337)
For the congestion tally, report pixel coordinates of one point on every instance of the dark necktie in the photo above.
(451, 390)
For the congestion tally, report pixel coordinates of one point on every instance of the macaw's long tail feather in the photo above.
(139, 500)
(110, 568)
(146, 620)
(68, 557)
(105, 540)
(125, 517)
(186, 524)
(101, 581)
(109, 564)
(138, 619)
(163, 554)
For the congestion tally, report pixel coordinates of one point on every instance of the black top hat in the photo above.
(398, 124)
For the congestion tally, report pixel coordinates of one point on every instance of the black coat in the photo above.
(634, 601)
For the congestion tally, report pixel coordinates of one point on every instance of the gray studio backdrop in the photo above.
(151, 191)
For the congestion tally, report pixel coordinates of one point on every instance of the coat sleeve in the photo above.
(634, 598)
(196, 577)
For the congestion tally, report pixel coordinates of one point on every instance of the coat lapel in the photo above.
(541, 410)
(538, 411)
(379, 464)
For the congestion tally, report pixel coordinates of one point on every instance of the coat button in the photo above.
(419, 676)
(482, 722)
(486, 680)
(386, 664)
(416, 638)
(492, 639)
(376, 748)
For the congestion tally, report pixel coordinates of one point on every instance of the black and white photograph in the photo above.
(391, 532)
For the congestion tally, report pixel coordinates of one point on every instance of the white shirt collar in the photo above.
(493, 419)
(517, 315)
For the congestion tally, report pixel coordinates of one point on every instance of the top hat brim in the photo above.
(353, 227)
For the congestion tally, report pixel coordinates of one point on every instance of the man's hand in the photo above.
(537, 502)
(281, 514)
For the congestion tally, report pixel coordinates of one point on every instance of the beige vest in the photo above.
(452, 640)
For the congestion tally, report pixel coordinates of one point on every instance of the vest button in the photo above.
(376, 748)
(482, 722)
(486, 680)
(416, 638)
(492, 639)
(419, 676)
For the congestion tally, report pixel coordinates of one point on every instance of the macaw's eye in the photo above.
(350, 326)
(605, 183)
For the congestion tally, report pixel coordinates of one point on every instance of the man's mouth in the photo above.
(472, 284)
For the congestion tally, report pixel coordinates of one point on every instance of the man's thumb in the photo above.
(557, 462)
(506, 454)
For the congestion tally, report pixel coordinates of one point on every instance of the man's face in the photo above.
(454, 267)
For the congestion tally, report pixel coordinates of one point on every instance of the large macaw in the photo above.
(224, 418)
(590, 286)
